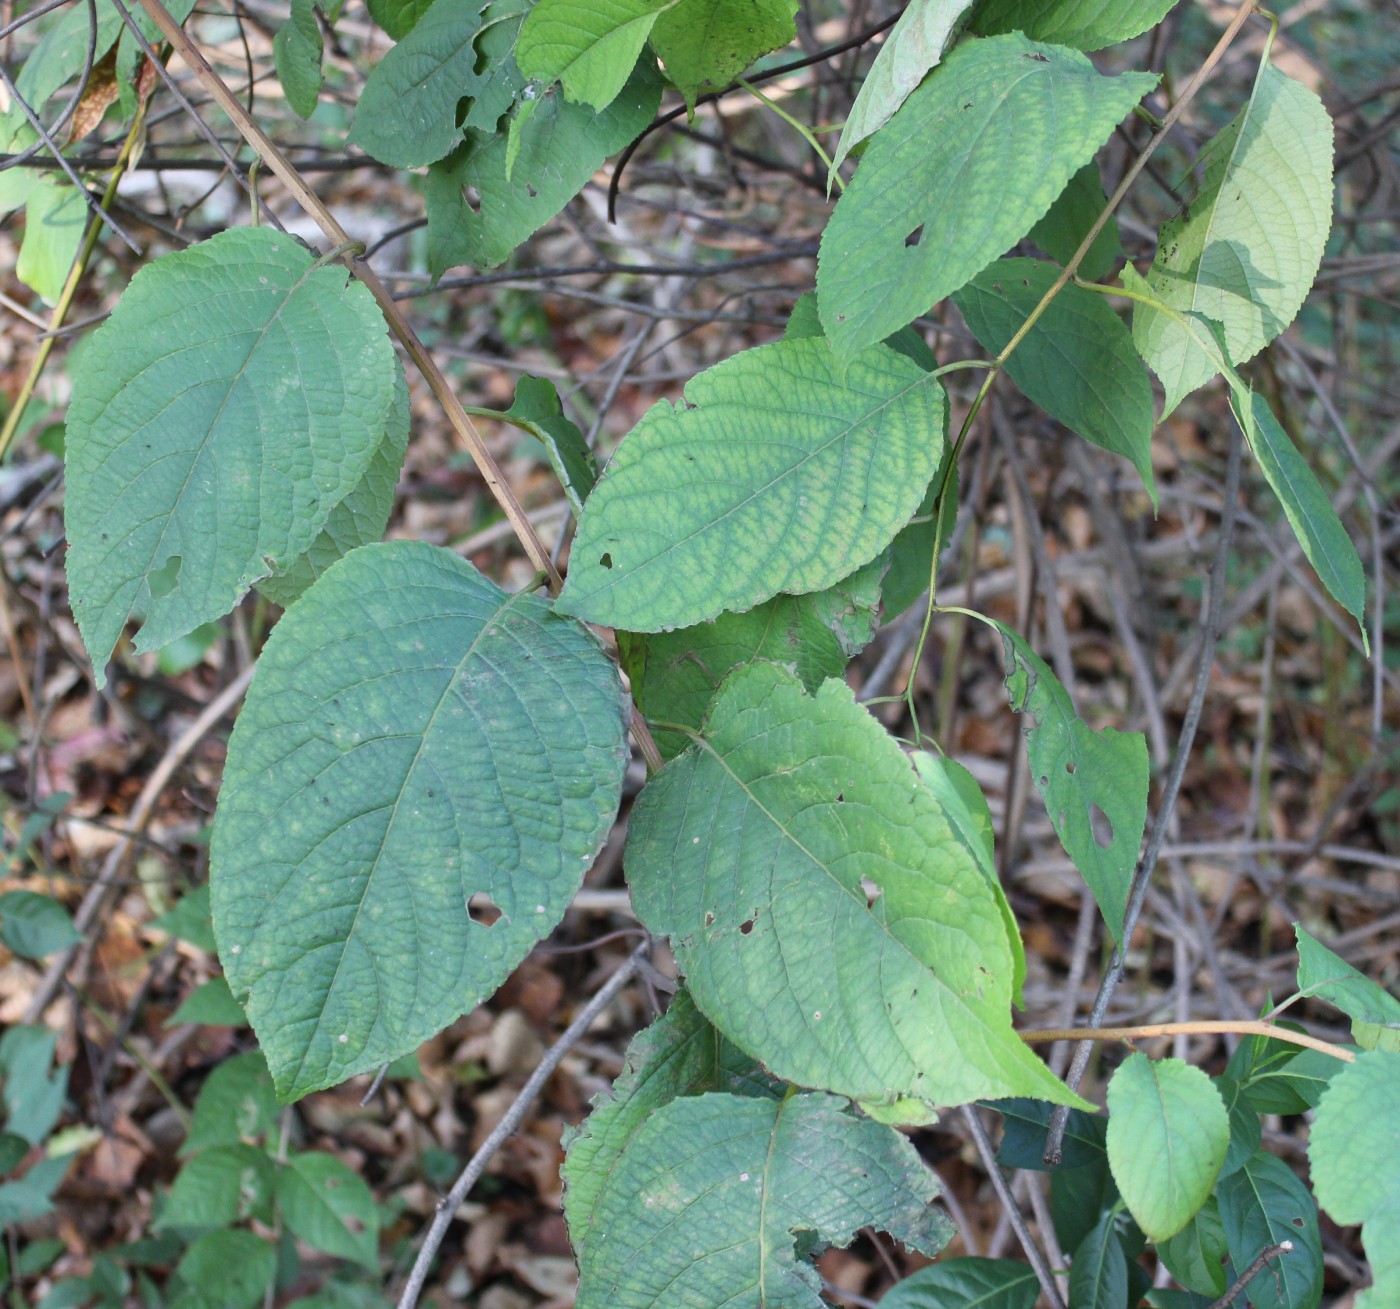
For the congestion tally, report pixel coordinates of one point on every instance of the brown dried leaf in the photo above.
(98, 96)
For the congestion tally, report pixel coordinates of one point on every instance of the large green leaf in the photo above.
(1374, 1012)
(221, 1186)
(970, 161)
(589, 45)
(236, 1103)
(968, 1283)
(914, 46)
(231, 1269)
(482, 203)
(414, 737)
(1026, 1127)
(399, 17)
(1196, 1256)
(1245, 253)
(678, 1055)
(1354, 1154)
(1263, 1204)
(329, 1206)
(675, 675)
(774, 474)
(1098, 1274)
(1084, 24)
(357, 520)
(1305, 504)
(719, 1199)
(411, 110)
(237, 394)
(753, 851)
(1083, 776)
(1077, 363)
(705, 44)
(1168, 1131)
(1067, 222)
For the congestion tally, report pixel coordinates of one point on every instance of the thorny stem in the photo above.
(1144, 1031)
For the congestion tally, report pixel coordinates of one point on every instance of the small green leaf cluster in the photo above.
(426, 765)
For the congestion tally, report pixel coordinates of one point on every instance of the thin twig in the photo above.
(1013, 1213)
(1211, 1027)
(554, 1056)
(1267, 1253)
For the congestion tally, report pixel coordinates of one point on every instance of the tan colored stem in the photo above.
(1146, 1030)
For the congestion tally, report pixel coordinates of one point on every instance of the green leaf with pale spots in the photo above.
(775, 474)
(1354, 1155)
(414, 738)
(972, 159)
(753, 850)
(680, 1054)
(236, 395)
(357, 520)
(1168, 1131)
(1084, 24)
(705, 44)
(1245, 253)
(1082, 776)
(589, 45)
(675, 675)
(1077, 362)
(723, 1199)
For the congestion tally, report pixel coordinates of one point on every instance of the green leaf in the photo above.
(296, 52)
(675, 675)
(236, 395)
(1082, 775)
(357, 520)
(967, 812)
(229, 1269)
(1196, 1255)
(589, 45)
(678, 1055)
(329, 1207)
(774, 474)
(750, 851)
(1305, 504)
(1077, 363)
(1025, 1126)
(1078, 1197)
(35, 925)
(717, 1199)
(398, 17)
(973, 158)
(33, 1096)
(705, 44)
(536, 405)
(911, 552)
(1245, 1131)
(1084, 24)
(189, 920)
(1354, 1155)
(1280, 1078)
(1168, 1131)
(55, 219)
(414, 737)
(1098, 1273)
(1067, 222)
(1265, 1203)
(211, 1004)
(32, 1195)
(1322, 973)
(558, 148)
(412, 110)
(915, 45)
(968, 1283)
(220, 1186)
(236, 1103)
(1245, 253)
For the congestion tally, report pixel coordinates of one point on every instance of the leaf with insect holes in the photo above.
(757, 851)
(414, 738)
(776, 473)
(236, 395)
(1083, 776)
(961, 172)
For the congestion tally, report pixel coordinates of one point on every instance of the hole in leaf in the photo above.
(746, 927)
(1102, 827)
(709, 918)
(164, 578)
(840, 797)
(914, 237)
(471, 198)
(531, 190)
(1071, 767)
(482, 909)
(605, 561)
